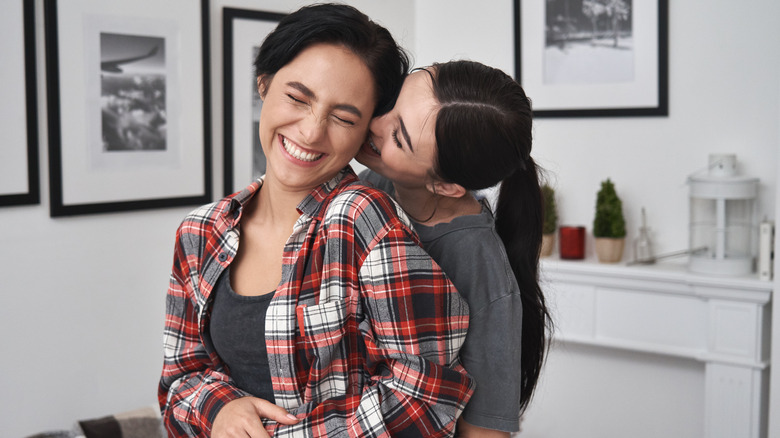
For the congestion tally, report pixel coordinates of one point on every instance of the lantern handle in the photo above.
(651, 260)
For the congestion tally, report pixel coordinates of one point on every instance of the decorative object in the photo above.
(130, 127)
(19, 183)
(609, 225)
(550, 224)
(766, 252)
(243, 32)
(606, 58)
(643, 248)
(722, 218)
(572, 242)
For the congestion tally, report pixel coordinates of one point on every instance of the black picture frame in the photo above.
(243, 30)
(565, 95)
(162, 157)
(20, 159)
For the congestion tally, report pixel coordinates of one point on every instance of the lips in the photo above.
(298, 152)
(372, 146)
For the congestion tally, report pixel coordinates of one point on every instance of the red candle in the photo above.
(572, 240)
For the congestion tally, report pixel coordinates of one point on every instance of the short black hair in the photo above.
(343, 25)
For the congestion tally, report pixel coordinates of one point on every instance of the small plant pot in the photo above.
(548, 243)
(609, 249)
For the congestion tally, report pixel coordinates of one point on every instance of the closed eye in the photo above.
(344, 121)
(395, 139)
(294, 99)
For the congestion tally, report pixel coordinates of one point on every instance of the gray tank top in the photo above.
(237, 330)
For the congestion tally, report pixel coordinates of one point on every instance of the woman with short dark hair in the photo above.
(303, 305)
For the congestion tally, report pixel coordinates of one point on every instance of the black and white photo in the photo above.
(132, 100)
(588, 42)
(128, 102)
(593, 58)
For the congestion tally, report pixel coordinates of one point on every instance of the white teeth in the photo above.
(297, 152)
(373, 147)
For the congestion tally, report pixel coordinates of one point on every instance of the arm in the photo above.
(191, 391)
(466, 430)
(416, 324)
(403, 323)
(196, 397)
(491, 354)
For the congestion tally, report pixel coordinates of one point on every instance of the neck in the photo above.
(430, 209)
(274, 206)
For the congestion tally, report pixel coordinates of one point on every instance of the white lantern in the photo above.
(722, 219)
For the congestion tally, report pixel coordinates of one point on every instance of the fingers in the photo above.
(242, 418)
(266, 409)
(239, 419)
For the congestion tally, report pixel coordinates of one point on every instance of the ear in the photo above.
(451, 190)
(262, 86)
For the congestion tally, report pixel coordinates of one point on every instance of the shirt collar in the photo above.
(311, 204)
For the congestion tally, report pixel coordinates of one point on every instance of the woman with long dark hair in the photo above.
(456, 128)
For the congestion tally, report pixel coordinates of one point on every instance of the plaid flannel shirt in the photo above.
(362, 334)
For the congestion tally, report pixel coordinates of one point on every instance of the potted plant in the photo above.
(609, 225)
(550, 223)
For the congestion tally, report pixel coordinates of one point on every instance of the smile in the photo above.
(297, 152)
(373, 147)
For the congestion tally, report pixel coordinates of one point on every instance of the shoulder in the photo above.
(377, 181)
(204, 216)
(362, 202)
(473, 256)
(367, 214)
(201, 221)
(477, 232)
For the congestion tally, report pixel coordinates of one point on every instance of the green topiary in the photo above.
(609, 221)
(550, 210)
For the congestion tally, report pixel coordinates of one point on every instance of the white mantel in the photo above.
(722, 322)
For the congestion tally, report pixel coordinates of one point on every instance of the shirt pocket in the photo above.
(322, 329)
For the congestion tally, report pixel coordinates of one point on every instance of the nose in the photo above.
(377, 125)
(377, 122)
(312, 127)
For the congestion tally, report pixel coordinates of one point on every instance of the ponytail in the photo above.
(483, 133)
(519, 224)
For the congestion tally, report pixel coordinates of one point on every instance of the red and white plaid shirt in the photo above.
(362, 334)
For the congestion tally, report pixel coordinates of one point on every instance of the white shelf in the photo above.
(663, 309)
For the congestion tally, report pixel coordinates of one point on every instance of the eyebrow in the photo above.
(405, 133)
(310, 94)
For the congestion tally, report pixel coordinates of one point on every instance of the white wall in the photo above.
(84, 297)
(723, 70)
(722, 98)
(774, 372)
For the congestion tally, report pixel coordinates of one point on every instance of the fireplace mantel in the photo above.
(723, 322)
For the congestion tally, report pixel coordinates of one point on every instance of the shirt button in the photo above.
(222, 257)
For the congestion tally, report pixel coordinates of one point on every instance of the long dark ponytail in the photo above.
(483, 134)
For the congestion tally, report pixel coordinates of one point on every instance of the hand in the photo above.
(242, 417)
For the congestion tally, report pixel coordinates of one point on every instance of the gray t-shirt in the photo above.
(472, 254)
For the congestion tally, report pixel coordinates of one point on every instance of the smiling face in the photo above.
(316, 111)
(402, 143)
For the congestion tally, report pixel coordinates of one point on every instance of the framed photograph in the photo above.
(244, 31)
(128, 98)
(19, 183)
(593, 58)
